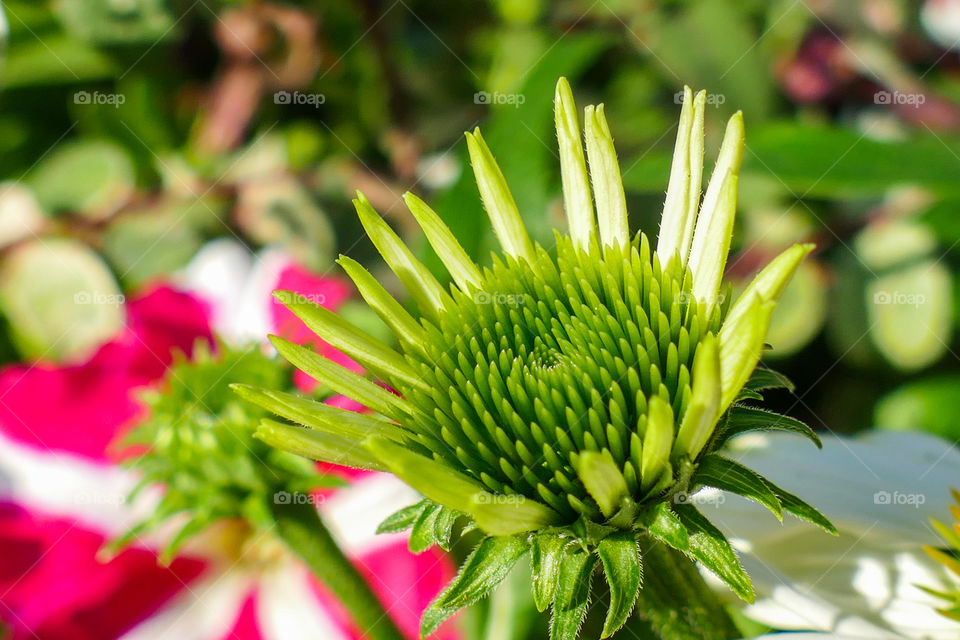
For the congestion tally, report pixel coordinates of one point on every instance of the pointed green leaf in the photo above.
(702, 413)
(664, 525)
(546, 553)
(341, 380)
(316, 445)
(606, 180)
(422, 534)
(498, 201)
(443, 527)
(484, 569)
(508, 515)
(713, 550)
(716, 471)
(429, 294)
(743, 418)
(603, 480)
(403, 519)
(573, 594)
(577, 201)
(317, 415)
(433, 479)
(403, 325)
(763, 378)
(657, 442)
(801, 509)
(462, 269)
(620, 556)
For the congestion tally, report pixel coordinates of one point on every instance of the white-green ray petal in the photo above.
(509, 515)
(417, 279)
(741, 344)
(771, 281)
(605, 177)
(701, 416)
(603, 479)
(657, 442)
(577, 201)
(462, 269)
(498, 201)
(317, 445)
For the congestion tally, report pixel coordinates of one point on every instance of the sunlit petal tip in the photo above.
(771, 281)
(462, 269)
(577, 201)
(741, 344)
(711, 243)
(673, 222)
(497, 200)
(605, 178)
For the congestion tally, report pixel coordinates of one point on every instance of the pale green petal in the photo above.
(577, 202)
(462, 269)
(498, 201)
(501, 515)
(657, 442)
(771, 281)
(710, 241)
(403, 325)
(605, 177)
(696, 171)
(417, 279)
(317, 445)
(741, 344)
(434, 480)
(701, 416)
(602, 479)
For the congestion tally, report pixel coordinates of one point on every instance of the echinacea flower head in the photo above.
(565, 401)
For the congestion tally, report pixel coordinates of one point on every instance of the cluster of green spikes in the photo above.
(564, 401)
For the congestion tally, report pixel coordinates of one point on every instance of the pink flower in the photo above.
(61, 496)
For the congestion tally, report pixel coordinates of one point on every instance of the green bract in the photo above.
(565, 401)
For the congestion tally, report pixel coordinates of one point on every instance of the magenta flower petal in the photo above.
(52, 586)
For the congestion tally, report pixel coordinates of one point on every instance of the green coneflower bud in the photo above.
(565, 401)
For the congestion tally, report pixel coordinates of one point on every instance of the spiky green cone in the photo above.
(567, 401)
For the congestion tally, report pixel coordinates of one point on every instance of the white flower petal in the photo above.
(353, 513)
(288, 609)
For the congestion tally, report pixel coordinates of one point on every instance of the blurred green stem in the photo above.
(300, 527)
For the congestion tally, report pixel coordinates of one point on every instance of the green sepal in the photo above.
(316, 445)
(485, 568)
(546, 553)
(763, 378)
(572, 597)
(743, 418)
(316, 415)
(422, 535)
(716, 471)
(801, 509)
(664, 525)
(623, 568)
(509, 515)
(603, 479)
(341, 380)
(443, 527)
(712, 549)
(434, 480)
(402, 519)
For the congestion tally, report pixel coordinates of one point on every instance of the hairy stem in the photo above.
(301, 528)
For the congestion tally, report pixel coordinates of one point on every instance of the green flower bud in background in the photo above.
(565, 401)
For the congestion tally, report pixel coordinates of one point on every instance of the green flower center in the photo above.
(543, 362)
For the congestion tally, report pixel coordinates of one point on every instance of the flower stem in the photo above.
(677, 602)
(300, 527)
